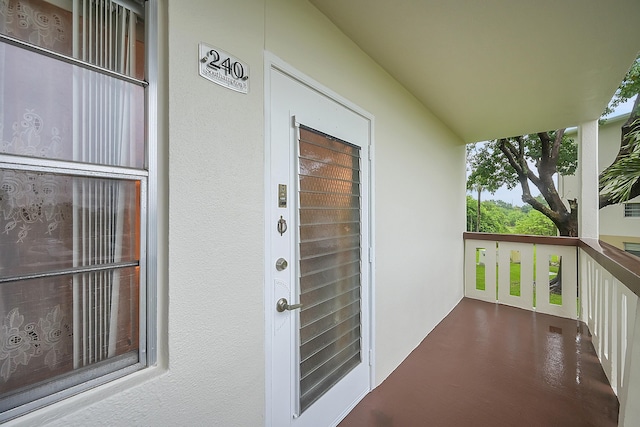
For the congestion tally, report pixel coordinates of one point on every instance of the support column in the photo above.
(588, 204)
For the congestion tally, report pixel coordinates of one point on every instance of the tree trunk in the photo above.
(555, 285)
(569, 226)
(565, 220)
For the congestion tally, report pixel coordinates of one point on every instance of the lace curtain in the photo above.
(50, 221)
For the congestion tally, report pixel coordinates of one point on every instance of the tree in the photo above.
(493, 218)
(621, 180)
(514, 215)
(511, 161)
(536, 224)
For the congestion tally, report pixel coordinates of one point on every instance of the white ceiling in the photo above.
(497, 68)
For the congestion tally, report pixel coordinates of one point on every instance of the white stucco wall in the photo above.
(211, 369)
(419, 181)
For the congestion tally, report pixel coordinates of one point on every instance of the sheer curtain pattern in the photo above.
(55, 222)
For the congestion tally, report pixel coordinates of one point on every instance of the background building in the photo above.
(620, 223)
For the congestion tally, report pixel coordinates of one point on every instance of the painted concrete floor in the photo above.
(492, 365)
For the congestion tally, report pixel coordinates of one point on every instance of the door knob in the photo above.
(281, 264)
(283, 305)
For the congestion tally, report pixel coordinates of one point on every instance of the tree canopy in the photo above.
(504, 218)
(493, 220)
(535, 224)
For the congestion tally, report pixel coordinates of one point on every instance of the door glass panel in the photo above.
(330, 275)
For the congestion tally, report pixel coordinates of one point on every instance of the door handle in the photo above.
(283, 305)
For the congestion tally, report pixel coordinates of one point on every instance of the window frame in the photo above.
(77, 381)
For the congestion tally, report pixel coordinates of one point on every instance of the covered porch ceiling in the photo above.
(498, 68)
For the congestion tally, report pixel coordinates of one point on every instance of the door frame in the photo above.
(274, 64)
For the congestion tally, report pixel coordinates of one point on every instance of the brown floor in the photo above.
(492, 365)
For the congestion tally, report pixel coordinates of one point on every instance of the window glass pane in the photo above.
(56, 110)
(50, 222)
(52, 326)
(38, 22)
(632, 209)
(109, 34)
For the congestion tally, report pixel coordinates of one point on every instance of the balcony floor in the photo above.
(492, 365)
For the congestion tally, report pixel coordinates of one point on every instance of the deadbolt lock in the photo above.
(282, 225)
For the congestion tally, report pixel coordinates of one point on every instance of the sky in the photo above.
(515, 196)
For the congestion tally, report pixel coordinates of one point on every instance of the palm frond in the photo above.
(618, 179)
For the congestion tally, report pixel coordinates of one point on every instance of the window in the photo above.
(75, 181)
(632, 210)
(632, 248)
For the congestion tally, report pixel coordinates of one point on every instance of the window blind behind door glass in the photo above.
(329, 251)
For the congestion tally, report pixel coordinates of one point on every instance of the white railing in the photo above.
(518, 271)
(612, 313)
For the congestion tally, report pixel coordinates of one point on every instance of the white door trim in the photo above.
(273, 63)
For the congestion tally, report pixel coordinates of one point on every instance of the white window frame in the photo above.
(87, 378)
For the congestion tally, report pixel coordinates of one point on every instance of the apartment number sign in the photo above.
(218, 66)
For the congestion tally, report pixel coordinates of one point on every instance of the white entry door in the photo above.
(318, 270)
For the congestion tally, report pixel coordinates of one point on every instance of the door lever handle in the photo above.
(283, 305)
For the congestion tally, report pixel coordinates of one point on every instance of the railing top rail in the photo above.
(522, 238)
(622, 265)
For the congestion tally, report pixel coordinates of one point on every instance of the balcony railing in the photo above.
(581, 279)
